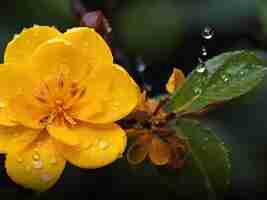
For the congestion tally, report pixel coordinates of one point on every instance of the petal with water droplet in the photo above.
(35, 174)
(107, 143)
(20, 49)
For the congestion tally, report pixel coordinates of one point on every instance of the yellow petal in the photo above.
(5, 119)
(38, 166)
(63, 134)
(115, 90)
(21, 138)
(159, 152)
(57, 55)
(139, 150)
(22, 46)
(91, 45)
(175, 81)
(6, 135)
(15, 138)
(26, 111)
(99, 146)
(14, 79)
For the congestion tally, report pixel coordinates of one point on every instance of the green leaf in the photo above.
(221, 78)
(207, 170)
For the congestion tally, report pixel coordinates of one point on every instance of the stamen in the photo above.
(69, 119)
(60, 81)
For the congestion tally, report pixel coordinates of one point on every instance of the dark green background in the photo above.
(164, 34)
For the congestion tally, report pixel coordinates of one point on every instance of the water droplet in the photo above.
(204, 51)
(2, 104)
(207, 33)
(19, 160)
(28, 168)
(53, 161)
(242, 73)
(206, 138)
(197, 91)
(36, 156)
(224, 78)
(103, 145)
(45, 177)
(201, 69)
(38, 164)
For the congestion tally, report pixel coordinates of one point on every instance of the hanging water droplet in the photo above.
(204, 51)
(103, 145)
(19, 160)
(207, 33)
(242, 73)
(37, 164)
(36, 156)
(197, 91)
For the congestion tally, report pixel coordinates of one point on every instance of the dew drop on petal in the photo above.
(53, 161)
(103, 144)
(28, 168)
(36, 156)
(38, 164)
(207, 33)
(45, 177)
(19, 160)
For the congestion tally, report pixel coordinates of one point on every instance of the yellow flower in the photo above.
(60, 96)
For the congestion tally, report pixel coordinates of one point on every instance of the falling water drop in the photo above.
(207, 33)
(204, 51)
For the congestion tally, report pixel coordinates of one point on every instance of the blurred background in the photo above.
(149, 38)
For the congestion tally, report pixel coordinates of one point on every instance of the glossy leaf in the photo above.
(206, 173)
(221, 78)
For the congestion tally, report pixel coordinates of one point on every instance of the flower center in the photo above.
(58, 95)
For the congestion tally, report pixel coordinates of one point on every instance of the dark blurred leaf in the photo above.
(222, 78)
(207, 171)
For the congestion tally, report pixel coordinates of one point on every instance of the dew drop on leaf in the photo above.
(197, 91)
